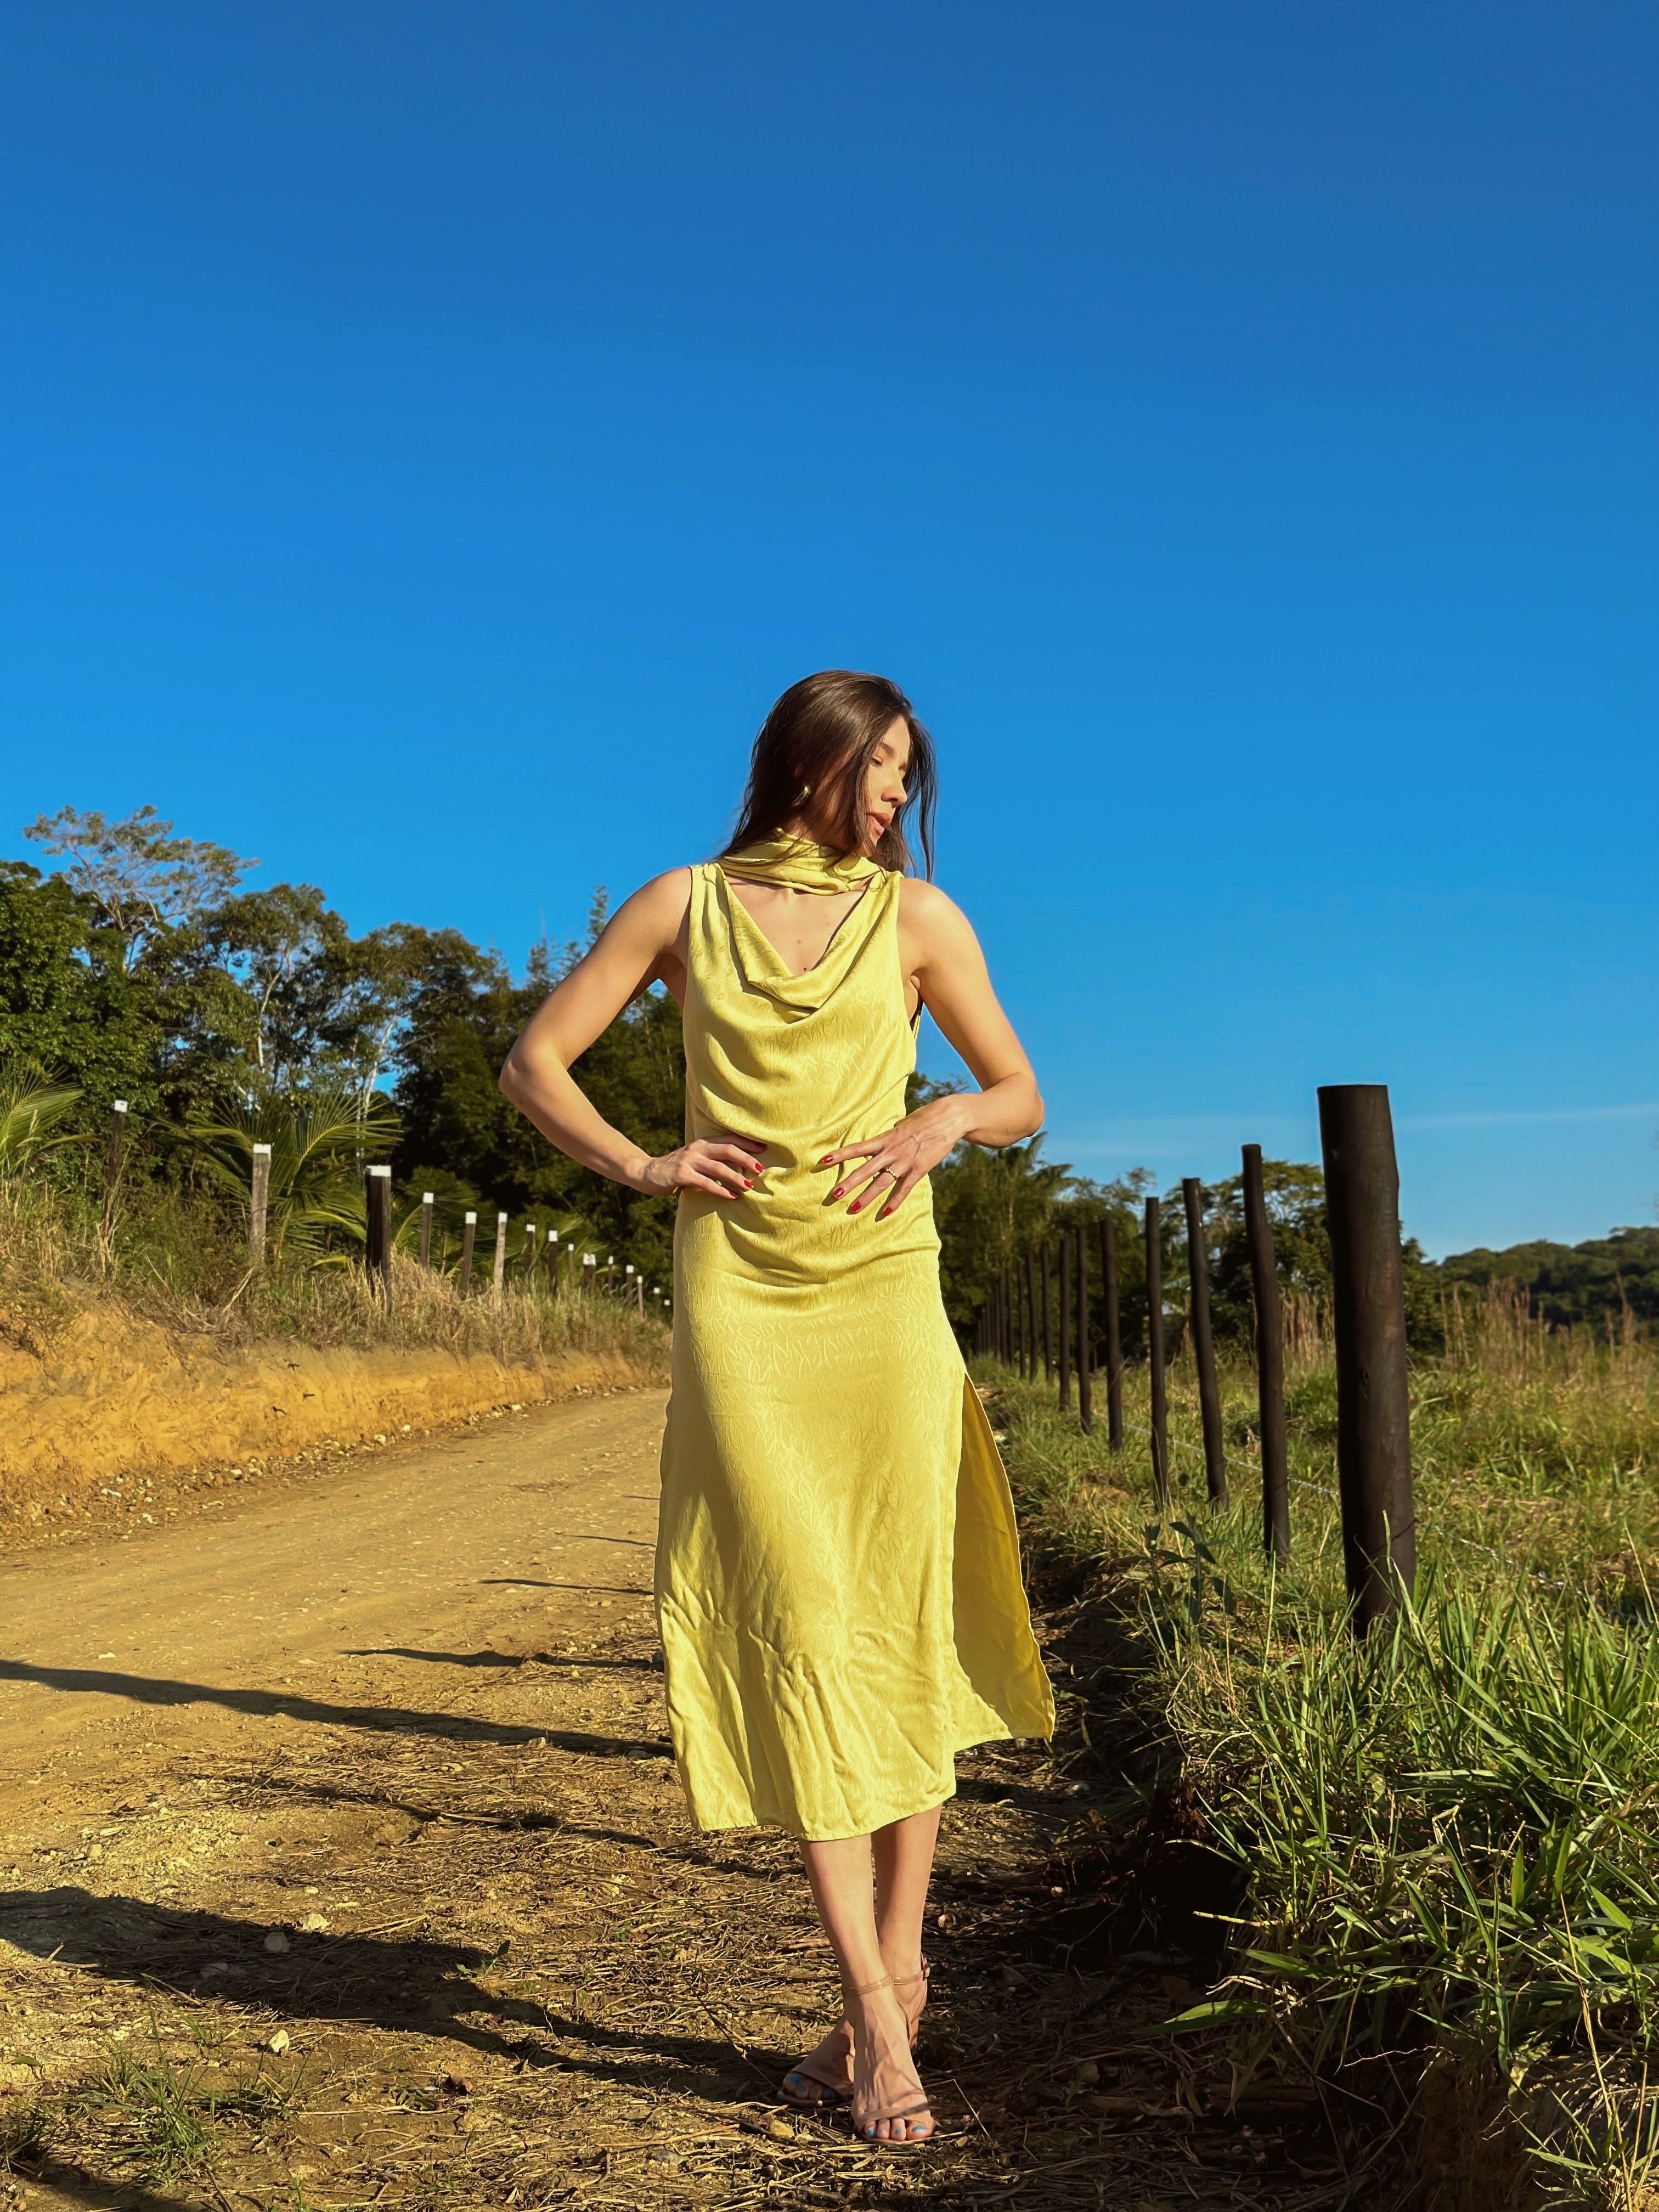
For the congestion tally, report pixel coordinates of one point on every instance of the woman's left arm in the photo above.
(942, 956)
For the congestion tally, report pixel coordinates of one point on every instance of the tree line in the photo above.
(140, 968)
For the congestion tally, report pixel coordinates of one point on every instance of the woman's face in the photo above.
(881, 795)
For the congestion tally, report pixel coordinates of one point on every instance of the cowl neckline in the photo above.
(799, 865)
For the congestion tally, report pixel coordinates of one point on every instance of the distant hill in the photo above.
(1570, 1283)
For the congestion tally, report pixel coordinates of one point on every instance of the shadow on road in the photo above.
(423, 1987)
(267, 1705)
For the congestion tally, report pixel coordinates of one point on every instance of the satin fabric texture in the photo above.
(838, 1584)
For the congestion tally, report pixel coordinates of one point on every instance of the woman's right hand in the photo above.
(724, 1167)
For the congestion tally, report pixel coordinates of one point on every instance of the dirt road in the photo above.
(349, 1601)
(342, 1861)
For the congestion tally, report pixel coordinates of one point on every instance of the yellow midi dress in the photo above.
(837, 1576)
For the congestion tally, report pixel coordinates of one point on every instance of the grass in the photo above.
(1452, 1901)
(178, 1262)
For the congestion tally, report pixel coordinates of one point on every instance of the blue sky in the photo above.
(431, 434)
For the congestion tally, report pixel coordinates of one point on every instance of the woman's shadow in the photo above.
(417, 1986)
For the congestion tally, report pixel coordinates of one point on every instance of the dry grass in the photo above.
(51, 1278)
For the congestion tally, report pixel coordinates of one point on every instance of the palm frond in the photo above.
(31, 1107)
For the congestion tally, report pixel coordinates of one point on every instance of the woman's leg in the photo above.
(885, 2079)
(904, 1853)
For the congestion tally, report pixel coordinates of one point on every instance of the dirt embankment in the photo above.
(123, 1413)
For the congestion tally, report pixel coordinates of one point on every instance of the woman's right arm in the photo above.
(636, 947)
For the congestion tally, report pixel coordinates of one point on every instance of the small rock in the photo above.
(276, 1941)
(456, 2085)
(1087, 2072)
(313, 1924)
(279, 2042)
(780, 2131)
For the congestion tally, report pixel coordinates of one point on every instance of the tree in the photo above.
(1568, 1285)
(462, 1017)
(62, 1011)
(990, 1207)
(142, 879)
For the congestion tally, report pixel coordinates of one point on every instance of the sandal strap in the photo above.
(869, 1988)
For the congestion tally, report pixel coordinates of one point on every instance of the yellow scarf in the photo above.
(800, 865)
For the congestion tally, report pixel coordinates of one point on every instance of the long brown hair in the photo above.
(819, 739)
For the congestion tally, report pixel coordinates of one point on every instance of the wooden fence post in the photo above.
(498, 1274)
(1085, 1411)
(1008, 1315)
(1047, 1331)
(1198, 1302)
(1269, 1361)
(1160, 1420)
(378, 1226)
(1368, 1301)
(527, 1258)
(117, 1139)
(1030, 1316)
(469, 1235)
(258, 1204)
(1114, 1345)
(426, 1228)
(552, 1258)
(1065, 1321)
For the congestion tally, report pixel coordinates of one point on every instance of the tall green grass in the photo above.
(1451, 1834)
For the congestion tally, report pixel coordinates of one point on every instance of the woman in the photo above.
(837, 1585)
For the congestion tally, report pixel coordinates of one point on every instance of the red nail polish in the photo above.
(855, 1207)
(836, 1192)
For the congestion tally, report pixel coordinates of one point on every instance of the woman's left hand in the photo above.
(897, 1163)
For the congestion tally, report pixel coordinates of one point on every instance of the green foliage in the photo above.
(30, 1109)
(141, 880)
(990, 1208)
(141, 971)
(321, 1141)
(64, 1006)
(462, 1020)
(1445, 1832)
(1600, 1282)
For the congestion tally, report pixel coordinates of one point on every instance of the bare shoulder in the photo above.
(657, 908)
(931, 917)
